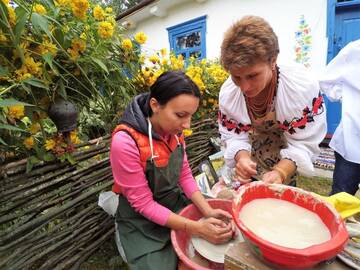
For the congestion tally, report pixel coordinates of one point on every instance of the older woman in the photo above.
(271, 117)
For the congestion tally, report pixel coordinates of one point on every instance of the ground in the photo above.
(106, 257)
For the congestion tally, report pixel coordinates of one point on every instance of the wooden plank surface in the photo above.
(240, 257)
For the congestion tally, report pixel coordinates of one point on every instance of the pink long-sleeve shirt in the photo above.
(130, 176)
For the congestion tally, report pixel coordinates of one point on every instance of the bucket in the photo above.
(181, 240)
(291, 257)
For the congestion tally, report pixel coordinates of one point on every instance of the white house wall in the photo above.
(283, 15)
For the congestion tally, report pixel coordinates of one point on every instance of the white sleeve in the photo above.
(343, 69)
(297, 91)
(233, 112)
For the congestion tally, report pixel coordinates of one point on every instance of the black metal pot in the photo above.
(64, 114)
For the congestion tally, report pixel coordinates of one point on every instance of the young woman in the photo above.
(151, 173)
(271, 117)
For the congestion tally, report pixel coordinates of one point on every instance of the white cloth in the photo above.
(341, 81)
(296, 91)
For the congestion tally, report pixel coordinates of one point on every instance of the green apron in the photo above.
(147, 245)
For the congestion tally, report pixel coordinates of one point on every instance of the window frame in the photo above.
(194, 25)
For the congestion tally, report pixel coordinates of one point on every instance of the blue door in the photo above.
(346, 29)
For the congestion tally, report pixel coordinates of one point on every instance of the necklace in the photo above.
(260, 105)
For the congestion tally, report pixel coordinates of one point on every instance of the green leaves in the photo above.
(40, 23)
(35, 82)
(33, 160)
(100, 63)
(10, 127)
(11, 102)
(20, 24)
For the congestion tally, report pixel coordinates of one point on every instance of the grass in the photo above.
(319, 185)
(107, 256)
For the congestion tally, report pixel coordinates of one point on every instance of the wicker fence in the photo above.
(49, 218)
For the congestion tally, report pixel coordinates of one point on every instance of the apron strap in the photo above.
(150, 140)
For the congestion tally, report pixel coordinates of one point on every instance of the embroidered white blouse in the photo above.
(341, 81)
(299, 109)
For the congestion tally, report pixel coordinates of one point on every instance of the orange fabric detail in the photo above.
(161, 148)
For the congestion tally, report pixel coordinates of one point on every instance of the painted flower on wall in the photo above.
(303, 43)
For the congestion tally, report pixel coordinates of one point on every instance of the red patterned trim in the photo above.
(296, 122)
(231, 124)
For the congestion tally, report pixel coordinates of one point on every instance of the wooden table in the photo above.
(240, 257)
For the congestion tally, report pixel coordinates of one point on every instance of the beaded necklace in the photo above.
(260, 105)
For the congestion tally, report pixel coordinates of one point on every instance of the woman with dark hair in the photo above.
(153, 177)
(271, 117)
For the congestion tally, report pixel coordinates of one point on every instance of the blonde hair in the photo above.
(249, 41)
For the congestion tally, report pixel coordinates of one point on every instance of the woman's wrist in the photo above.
(282, 173)
(285, 168)
(240, 154)
(191, 227)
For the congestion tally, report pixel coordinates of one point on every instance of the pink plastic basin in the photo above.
(291, 257)
(180, 239)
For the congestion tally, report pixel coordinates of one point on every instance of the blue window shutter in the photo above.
(185, 29)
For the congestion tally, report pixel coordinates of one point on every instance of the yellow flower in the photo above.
(111, 19)
(50, 144)
(47, 47)
(164, 61)
(78, 45)
(16, 111)
(177, 63)
(6, 2)
(198, 81)
(140, 37)
(38, 8)
(12, 16)
(79, 8)
(22, 73)
(105, 29)
(83, 36)
(74, 137)
(187, 132)
(3, 38)
(33, 67)
(163, 52)
(99, 13)
(62, 3)
(66, 29)
(108, 10)
(126, 44)
(29, 142)
(74, 54)
(34, 128)
(154, 59)
(142, 59)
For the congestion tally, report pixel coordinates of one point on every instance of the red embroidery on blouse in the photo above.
(296, 122)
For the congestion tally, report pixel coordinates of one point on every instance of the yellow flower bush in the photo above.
(207, 75)
(59, 49)
(74, 50)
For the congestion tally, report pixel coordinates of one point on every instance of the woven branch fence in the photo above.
(49, 217)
